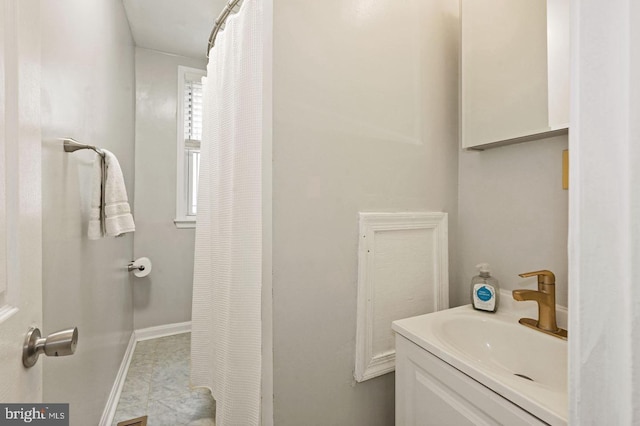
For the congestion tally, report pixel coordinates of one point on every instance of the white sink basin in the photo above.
(506, 347)
(523, 365)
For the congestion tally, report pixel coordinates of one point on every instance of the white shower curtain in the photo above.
(226, 320)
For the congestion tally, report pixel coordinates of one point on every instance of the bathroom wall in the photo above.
(164, 296)
(513, 214)
(365, 119)
(87, 94)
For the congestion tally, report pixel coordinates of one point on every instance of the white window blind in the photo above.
(192, 110)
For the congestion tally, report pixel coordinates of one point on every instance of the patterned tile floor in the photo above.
(157, 385)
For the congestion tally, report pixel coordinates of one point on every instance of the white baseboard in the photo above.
(138, 335)
(112, 403)
(162, 330)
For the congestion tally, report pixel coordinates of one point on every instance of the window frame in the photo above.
(182, 219)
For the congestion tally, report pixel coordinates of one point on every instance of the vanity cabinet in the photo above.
(431, 392)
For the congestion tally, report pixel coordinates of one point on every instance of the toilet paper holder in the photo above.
(140, 267)
(132, 267)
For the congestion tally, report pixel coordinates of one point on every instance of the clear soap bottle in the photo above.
(484, 290)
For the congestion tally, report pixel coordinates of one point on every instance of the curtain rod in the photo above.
(220, 22)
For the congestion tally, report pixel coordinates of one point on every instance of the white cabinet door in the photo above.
(514, 78)
(20, 196)
(430, 392)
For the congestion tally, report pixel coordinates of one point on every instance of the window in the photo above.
(189, 137)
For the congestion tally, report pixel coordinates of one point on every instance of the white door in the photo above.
(20, 196)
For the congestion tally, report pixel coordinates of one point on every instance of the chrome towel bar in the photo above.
(72, 145)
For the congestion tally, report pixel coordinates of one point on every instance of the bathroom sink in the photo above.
(523, 365)
(506, 347)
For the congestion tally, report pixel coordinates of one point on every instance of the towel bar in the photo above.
(72, 145)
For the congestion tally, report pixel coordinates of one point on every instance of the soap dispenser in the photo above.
(484, 290)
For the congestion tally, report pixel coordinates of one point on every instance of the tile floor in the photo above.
(157, 385)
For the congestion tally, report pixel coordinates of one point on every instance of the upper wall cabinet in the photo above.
(515, 71)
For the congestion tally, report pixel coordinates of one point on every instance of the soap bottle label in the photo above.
(484, 297)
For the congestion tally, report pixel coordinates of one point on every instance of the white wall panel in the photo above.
(403, 271)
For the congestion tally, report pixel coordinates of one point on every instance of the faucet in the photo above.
(545, 296)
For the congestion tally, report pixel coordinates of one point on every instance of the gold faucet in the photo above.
(546, 298)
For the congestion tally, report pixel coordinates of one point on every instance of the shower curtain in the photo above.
(226, 320)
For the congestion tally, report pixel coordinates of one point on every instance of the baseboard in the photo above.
(138, 335)
(112, 403)
(162, 330)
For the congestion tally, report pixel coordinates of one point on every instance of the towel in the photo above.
(110, 213)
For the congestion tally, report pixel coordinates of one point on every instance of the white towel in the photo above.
(114, 217)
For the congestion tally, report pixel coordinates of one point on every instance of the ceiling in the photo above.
(181, 27)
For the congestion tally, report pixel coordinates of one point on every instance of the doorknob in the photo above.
(60, 343)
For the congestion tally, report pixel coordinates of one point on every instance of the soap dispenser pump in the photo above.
(484, 290)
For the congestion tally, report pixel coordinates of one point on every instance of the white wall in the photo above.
(365, 119)
(164, 296)
(512, 214)
(87, 94)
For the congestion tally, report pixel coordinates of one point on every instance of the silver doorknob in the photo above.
(60, 343)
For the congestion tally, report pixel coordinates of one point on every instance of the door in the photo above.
(20, 196)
